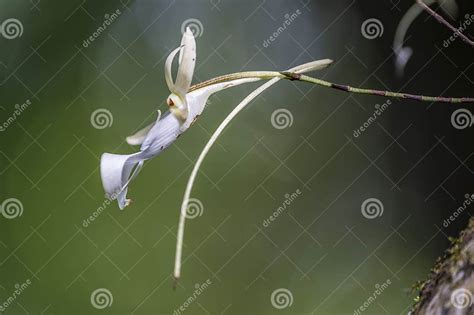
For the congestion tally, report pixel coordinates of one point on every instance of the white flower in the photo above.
(117, 171)
(185, 104)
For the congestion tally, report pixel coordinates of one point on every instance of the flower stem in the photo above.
(350, 89)
(266, 75)
(441, 20)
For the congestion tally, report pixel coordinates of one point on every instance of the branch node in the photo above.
(291, 75)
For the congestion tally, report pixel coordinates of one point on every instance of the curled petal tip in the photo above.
(116, 172)
(110, 197)
(189, 32)
(139, 137)
(403, 55)
(312, 66)
(187, 61)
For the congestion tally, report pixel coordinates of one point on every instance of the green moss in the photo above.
(446, 266)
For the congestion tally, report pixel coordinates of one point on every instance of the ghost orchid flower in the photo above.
(117, 171)
(185, 103)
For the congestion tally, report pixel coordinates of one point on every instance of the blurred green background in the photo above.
(322, 250)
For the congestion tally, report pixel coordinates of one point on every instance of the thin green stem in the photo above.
(266, 75)
(350, 89)
(441, 20)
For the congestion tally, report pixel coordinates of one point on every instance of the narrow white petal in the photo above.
(115, 170)
(139, 137)
(168, 69)
(122, 196)
(197, 99)
(187, 194)
(312, 66)
(403, 53)
(187, 63)
(192, 177)
(161, 136)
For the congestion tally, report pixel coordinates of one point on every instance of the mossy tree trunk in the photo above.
(450, 287)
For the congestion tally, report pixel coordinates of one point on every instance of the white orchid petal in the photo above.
(312, 66)
(139, 137)
(197, 165)
(115, 170)
(402, 53)
(162, 135)
(183, 43)
(122, 196)
(168, 69)
(122, 199)
(197, 99)
(187, 63)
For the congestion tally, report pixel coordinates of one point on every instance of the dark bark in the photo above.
(450, 287)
